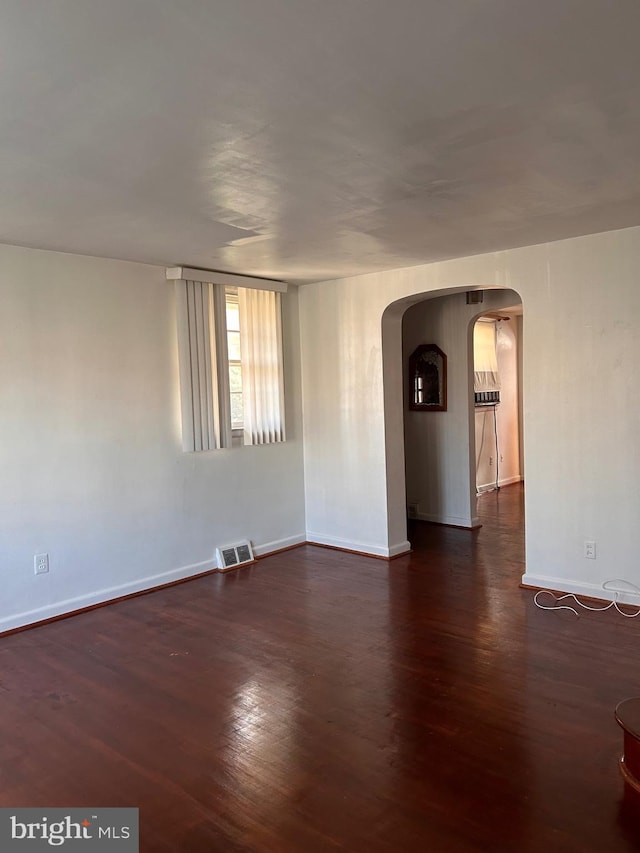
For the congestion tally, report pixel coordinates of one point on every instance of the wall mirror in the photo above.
(428, 379)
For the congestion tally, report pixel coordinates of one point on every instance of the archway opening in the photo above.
(431, 454)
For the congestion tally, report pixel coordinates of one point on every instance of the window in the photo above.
(231, 367)
(486, 380)
(234, 357)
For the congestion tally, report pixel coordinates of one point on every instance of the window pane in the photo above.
(236, 410)
(233, 316)
(235, 378)
(233, 345)
(234, 355)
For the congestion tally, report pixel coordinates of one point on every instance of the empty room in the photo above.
(319, 341)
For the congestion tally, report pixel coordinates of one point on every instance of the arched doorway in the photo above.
(431, 459)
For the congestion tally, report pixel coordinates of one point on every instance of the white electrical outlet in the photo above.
(491, 460)
(41, 564)
(589, 549)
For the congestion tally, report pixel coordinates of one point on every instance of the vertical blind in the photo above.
(203, 363)
(198, 387)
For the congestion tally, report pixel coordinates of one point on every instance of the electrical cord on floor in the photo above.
(495, 432)
(479, 454)
(496, 485)
(632, 590)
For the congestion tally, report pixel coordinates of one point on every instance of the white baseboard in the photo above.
(146, 584)
(507, 481)
(360, 547)
(452, 520)
(279, 544)
(590, 590)
(69, 605)
(400, 548)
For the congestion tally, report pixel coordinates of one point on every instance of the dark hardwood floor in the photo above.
(324, 701)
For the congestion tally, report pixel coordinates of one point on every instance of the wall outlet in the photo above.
(490, 460)
(41, 564)
(412, 510)
(589, 549)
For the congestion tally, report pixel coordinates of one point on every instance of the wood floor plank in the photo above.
(321, 701)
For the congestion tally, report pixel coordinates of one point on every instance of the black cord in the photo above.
(495, 430)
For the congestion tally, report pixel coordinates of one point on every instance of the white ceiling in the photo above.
(311, 139)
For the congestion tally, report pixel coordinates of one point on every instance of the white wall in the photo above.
(343, 419)
(581, 401)
(521, 392)
(506, 417)
(437, 443)
(92, 469)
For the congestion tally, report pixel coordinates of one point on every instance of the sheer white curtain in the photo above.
(262, 372)
(485, 359)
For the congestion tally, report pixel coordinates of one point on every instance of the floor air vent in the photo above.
(234, 556)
